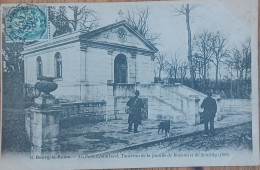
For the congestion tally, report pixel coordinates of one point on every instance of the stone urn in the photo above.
(46, 85)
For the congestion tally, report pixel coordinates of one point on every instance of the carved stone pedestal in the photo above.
(42, 128)
(42, 119)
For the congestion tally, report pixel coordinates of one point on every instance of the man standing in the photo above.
(135, 116)
(210, 108)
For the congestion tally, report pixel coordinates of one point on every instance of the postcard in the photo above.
(129, 84)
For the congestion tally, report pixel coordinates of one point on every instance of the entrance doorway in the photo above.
(120, 69)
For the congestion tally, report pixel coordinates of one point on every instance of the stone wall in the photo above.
(98, 65)
(70, 63)
(144, 69)
(82, 112)
(239, 105)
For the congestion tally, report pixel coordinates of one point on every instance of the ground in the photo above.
(236, 137)
(233, 131)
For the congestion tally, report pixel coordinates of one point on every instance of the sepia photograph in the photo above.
(130, 84)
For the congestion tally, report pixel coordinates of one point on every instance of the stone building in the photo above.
(84, 63)
(108, 65)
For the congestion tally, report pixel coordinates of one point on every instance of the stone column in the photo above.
(42, 126)
(193, 117)
(42, 120)
(110, 114)
(132, 68)
(83, 65)
(110, 108)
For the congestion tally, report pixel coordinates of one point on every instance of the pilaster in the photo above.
(83, 63)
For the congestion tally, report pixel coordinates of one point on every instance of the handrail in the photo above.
(174, 92)
(195, 91)
(83, 103)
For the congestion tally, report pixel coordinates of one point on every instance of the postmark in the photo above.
(25, 23)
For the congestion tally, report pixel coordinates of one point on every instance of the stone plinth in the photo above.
(42, 125)
(45, 101)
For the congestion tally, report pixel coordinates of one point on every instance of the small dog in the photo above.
(164, 126)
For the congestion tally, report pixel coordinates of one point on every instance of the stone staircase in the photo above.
(177, 103)
(159, 109)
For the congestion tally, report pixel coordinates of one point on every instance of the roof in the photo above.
(120, 23)
(81, 35)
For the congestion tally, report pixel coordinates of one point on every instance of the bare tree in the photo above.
(246, 52)
(160, 62)
(83, 18)
(57, 18)
(138, 19)
(235, 61)
(240, 60)
(202, 44)
(184, 66)
(186, 11)
(172, 67)
(219, 51)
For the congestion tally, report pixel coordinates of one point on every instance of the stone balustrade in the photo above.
(82, 112)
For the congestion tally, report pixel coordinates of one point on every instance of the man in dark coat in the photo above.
(135, 116)
(210, 108)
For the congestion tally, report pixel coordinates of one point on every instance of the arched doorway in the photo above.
(120, 69)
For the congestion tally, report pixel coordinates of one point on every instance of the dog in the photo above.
(164, 126)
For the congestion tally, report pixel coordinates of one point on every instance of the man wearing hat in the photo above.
(135, 116)
(210, 108)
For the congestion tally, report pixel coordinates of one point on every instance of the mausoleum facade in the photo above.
(85, 63)
(105, 67)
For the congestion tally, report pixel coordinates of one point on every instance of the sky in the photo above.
(213, 16)
(231, 20)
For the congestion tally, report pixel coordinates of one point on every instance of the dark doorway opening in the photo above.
(120, 69)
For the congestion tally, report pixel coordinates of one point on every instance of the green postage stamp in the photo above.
(26, 22)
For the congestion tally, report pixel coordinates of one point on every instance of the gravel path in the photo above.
(113, 135)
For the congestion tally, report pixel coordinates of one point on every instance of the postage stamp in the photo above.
(26, 22)
(129, 84)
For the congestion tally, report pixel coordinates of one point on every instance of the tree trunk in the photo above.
(189, 45)
(246, 72)
(75, 19)
(217, 65)
(204, 71)
(159, 74)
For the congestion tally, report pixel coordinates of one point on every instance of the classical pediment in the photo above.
(119, 34)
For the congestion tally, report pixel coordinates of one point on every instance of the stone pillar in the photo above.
(42, 125)
(193, 116)
(132, 68)
(83, 65)
(110, 96)
(110, 109)
(42, 120)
